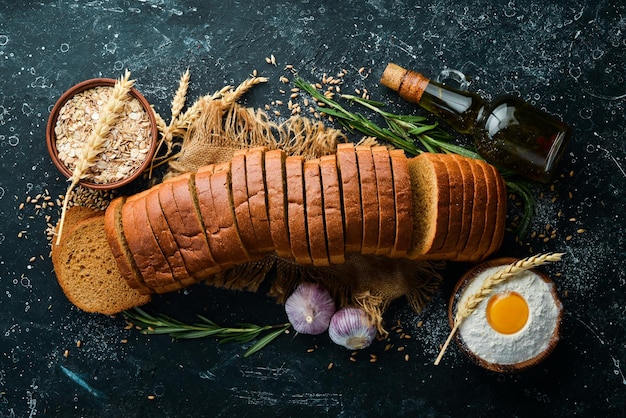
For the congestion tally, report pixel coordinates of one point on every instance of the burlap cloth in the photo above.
(220, 127)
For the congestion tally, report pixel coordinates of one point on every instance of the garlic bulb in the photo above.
(309, 308)
(351, 328)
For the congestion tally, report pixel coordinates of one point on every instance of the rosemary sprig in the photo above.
(405, 132)
(243, 333)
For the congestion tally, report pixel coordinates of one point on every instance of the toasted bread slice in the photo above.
(403, 204)
(296, 213)
(386, 200)
(369, 199)
(314, 204)
(119, 247)
(350, 185)
(333, 213)
(275, 179)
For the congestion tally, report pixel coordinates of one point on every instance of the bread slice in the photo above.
(218, 216)
(403, 203)
(491, 211)
(314, 204)
(386, 200)
(350, 185)
(86, 269)
(296, 214)
(498, 235)
(369, 198)
(277, 201)
(431, 205)
(240, 200)
(468, 201)
(257, 198)
(470, 249)
(165, 239)
(178, 205)
(333, 213)
(456, 190)
(74, 215)
(119, 247)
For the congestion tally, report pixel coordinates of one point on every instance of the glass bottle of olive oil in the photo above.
(508, 131)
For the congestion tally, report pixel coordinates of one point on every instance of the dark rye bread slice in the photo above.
(333, 213)
(86, 269)
(119, 247)
(470, 250)
(257, 198)
(431, 205)
(143, 246)
(178, 202)
(386, 200)
(314, 205)
(456, 191)
(350, 197)
(403, 203)
(369, 198)
(218, 216)
(468, 201)
(296, 214)
(165, 239)
(276, 182)
(240, 200)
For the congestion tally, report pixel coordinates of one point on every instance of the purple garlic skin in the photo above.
(309, 308)
(351, 328)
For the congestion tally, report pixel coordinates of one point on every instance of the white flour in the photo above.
(531, 340)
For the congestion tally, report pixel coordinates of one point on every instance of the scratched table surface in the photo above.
(563, 56)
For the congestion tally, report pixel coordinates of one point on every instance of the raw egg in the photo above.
(507, 312)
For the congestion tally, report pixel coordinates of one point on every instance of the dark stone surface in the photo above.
(566, 57)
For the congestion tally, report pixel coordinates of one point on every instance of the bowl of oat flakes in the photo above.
(129, 146)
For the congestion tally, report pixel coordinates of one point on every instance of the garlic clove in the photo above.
(309, 308)
(351, 328)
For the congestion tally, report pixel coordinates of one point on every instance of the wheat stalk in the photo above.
(465, 309)
(97, 141)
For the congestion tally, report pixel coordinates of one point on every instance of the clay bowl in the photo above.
(51, 136)
(525, 363)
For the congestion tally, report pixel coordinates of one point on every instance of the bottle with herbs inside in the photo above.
(507, 132)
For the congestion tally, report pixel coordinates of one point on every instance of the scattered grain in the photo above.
(66, 353)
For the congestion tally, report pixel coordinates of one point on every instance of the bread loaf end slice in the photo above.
(119, 247)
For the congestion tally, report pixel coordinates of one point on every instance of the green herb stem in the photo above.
(243, 333)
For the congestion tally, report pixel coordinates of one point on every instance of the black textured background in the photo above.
(567, 57)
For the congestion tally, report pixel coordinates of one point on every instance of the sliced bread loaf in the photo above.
(257, 198)
(333, 213)
(369, 199)
(314, 204)
(296, 214)
(275, 178)
(177, 204)
(165, 239)
(119, 247)
(491, 210)
(456, 190)
(386, 200)
(468, 201)
(86, 270)
(403, 204)
(350, 186)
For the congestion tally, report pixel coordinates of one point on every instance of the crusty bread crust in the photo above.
(277, 202)
(350, 185)
(333, 211)
(315, 213)
(369, 199)
(386, 200)
(119, 247)
(296, 214)
(403, 205)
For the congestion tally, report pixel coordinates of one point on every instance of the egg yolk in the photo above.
(507, 313)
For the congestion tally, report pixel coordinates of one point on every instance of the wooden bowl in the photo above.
(522, 363)
(51, 138)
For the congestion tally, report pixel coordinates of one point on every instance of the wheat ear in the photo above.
(96, 142)
(465, 309)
